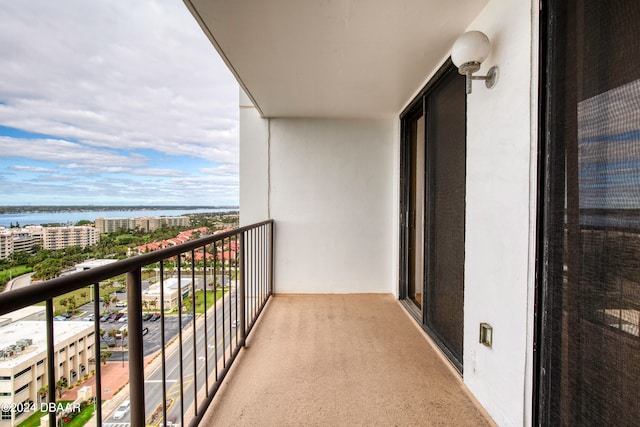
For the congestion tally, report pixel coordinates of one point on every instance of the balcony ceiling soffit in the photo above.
(329, 58)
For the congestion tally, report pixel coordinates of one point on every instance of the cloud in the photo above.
(59, 151)
(31, 169)
(158, 172)
(112, 81)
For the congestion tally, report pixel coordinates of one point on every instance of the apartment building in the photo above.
(111, 225)
(20, 239)
(6, 243)
(23, 362)
(62, 237)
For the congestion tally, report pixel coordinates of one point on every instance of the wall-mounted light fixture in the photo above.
(468, 52)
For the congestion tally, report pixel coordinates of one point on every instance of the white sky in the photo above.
(113, 102)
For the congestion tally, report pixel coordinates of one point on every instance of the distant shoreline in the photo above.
(93, 208)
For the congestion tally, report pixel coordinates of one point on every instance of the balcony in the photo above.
(355, 359)
(318, 359)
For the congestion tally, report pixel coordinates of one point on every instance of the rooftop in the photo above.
(36, 330)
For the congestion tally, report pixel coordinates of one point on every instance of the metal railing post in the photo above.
(51, 363)
(136, 348)
(272, 226)
(97, 359)
(241, 292)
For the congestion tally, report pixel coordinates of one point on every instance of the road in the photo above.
(19, 282)
(211, 346)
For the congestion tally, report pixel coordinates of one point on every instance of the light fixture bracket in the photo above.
(490, 79)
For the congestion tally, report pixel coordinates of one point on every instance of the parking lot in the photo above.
(151, 330)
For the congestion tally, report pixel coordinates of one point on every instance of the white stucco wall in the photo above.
(329, 186)
(500, 217)
(254, 169)
(332, 199)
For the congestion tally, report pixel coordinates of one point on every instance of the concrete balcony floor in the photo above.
(341, 360)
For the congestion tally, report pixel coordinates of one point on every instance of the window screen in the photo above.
(589, 298)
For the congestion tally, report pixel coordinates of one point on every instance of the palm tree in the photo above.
(104, 356)
(153, 303)
(42, 392)
(125, 333)
(61, 384)
(83, 295)
(107, 303)
(145, 305)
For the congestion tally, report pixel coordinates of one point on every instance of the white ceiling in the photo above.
(333, 58)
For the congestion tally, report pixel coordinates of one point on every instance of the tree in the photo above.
(125, 333)
(153, 303)
(104, 356)
(42, 392)
(107, 303)
(61, 384)
(64, 302)
(83, 295)
(72, 303)
(145, 305)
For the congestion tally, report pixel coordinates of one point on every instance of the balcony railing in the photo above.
(237, 265)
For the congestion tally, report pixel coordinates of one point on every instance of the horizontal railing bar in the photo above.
(16, 299)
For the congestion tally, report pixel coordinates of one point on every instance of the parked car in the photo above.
(59, 318)
(122, 410)
(155, 317)
(90, 317)
(147, 316)
(121, 303)
(122, 319)
(105, 317)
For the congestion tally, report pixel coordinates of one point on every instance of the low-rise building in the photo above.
(23, 362)
(171, 293)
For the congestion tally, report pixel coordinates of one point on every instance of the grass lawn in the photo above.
(82, 418)
(34, 419)
(78, 421)
(80, 300)
(14, 272)
(200, 300)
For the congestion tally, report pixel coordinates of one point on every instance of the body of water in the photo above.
(37, 218)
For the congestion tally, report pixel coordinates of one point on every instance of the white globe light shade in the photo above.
(472, 46)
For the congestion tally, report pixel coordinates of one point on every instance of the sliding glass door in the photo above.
(433, 174)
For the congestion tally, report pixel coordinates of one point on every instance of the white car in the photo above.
(122, 410)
